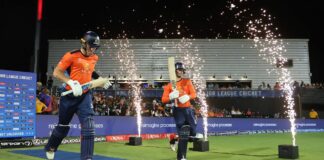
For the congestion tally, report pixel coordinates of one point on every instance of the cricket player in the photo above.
(80, 65)
(183, 113)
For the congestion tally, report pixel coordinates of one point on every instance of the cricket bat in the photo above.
(172, 75)
(92, 84)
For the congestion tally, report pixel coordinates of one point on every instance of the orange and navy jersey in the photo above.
(80, 67)
(184, 86)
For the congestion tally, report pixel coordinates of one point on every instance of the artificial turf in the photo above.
(235, 147)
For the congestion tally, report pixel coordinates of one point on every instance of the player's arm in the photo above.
(192, 90)
(64, 63)
(59, 70)
(166, 91)
(95, 75)
(59, 74)
(107, 83)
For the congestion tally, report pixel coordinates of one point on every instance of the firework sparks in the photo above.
(262, 32)
(193, 64)
(160, 30)
(126, 59)
(272, 50)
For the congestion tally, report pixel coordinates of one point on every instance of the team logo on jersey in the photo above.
(86, 66)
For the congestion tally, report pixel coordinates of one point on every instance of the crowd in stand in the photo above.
(48, 103)
(262, 86)
(313, 85)
(123, 106)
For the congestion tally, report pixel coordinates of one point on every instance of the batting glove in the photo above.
(76, 87)
(107, 84)
(183, 99)
(174, 94)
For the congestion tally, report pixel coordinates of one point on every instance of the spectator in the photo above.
(210, 86)
(297, 88)
(320, 86)
(210, 112)
(109, 104)
(101, 106)
(216, 86)
(233, 111)
(302, 84)
(238, 112)
(248, 113)
(131, 109)
(226, 113)
(49, 83)
(40, 106)
(158, 110)
(219, 113)
(46, 99)
(42, 96)
(264, 85)
(296, 84)
(55, 104)
(39, 87)
(145, 110)
(122, 107)
(277, 86)
(168, 110)
(276, 115)
(313, 114)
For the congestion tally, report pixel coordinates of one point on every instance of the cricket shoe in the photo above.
(174, 146)
(50, 155)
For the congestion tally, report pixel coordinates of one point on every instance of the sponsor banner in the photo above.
(251, 124)
(68, 140)
(105, 125)
(228, 133)
(244, 93)
(209, 93)
(19, 143)
(116, 138)
(115, 125)
(40, 141)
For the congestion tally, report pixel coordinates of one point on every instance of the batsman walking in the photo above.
(183, 113)
(80, 66)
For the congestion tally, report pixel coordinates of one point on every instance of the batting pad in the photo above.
(59, 155)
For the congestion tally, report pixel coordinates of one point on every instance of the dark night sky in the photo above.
(142, 19)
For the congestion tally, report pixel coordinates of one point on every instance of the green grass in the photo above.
(240, 147)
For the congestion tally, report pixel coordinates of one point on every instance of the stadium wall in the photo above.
(223, 57)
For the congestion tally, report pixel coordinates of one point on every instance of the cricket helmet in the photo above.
(90, 38)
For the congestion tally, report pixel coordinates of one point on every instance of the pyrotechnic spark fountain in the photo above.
(128, 65)
(272, 51)
(262, 31)
(194, 65)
